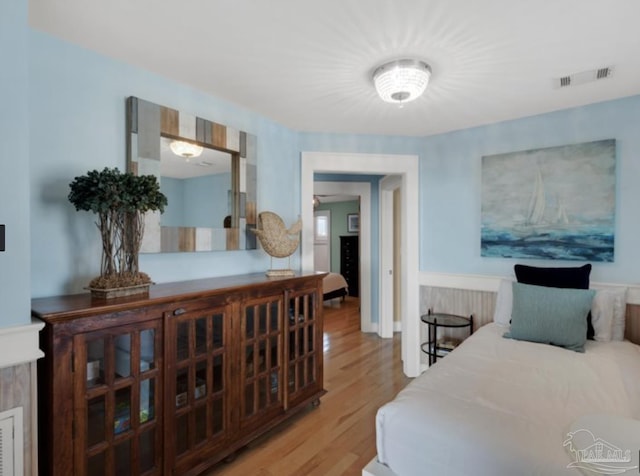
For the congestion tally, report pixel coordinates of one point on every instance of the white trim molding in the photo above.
(20, 344)
(386, 231)
(475, 282)
(407, 167)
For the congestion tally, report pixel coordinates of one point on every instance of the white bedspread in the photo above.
(497, 406)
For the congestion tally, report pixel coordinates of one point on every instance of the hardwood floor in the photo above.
(361, 372)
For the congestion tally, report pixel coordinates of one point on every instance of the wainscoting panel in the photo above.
(17, 389)
(20, 351)
(464, 302)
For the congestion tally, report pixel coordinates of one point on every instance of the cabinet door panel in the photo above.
(197, 341)
(96, 464)
(116, 382)
(96, 426)
(261, 360)
(147, 450)
(304, 334)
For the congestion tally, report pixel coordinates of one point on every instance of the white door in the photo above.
(322, 240)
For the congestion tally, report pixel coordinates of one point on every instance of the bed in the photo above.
(505, 406)
(334, 286)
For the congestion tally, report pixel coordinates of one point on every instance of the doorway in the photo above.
(362, 190)
(406, 166)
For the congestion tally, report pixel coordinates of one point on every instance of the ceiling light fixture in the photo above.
(185, 149)
(401, 81)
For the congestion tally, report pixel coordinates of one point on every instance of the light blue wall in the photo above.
(450, 180)
(207, 200)
(15, 306)
(77, 123)
(196, 202)
(173, 189)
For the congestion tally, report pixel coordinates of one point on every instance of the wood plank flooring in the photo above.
(361, 373)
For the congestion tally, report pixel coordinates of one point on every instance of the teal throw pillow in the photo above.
(556, 316)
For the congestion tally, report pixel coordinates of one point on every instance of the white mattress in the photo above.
(497, 406)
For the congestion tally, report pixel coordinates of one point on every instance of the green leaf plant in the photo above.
(120, 201)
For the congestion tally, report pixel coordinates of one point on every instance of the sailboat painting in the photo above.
(555, 203)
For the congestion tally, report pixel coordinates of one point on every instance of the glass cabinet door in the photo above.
(261, 393)
(117, 373)
(197, 344)
(304, 334)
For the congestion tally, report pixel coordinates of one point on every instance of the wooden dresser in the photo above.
(350, 262)
(175, 381)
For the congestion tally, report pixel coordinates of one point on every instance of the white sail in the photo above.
(561, 215)
(537, 202)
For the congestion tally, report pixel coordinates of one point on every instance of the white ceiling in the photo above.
(307, 64)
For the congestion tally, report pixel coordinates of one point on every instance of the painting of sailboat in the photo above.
(555, 203)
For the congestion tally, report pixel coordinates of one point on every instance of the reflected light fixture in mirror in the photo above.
(185, 149)
(210, 161)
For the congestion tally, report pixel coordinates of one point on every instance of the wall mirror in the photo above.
(207, 171)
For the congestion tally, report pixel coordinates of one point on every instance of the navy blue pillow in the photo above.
(576, 278)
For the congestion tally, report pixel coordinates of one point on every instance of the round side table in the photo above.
(436, 320)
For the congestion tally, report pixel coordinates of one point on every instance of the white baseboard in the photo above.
(19, 344)
(397, 327)
(491, 283)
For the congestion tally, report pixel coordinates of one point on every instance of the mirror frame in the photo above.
(146, 123)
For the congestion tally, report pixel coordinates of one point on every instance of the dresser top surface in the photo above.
(70, 306)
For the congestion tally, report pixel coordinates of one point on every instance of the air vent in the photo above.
(583, 77)
(565, 81)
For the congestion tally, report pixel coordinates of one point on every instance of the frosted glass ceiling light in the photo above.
(185, 149)
(402, 80)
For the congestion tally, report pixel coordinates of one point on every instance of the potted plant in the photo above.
(120, 201)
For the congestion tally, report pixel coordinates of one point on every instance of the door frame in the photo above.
(387, 186)
(407, 166)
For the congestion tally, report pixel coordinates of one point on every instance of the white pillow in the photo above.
(504, 303)
(608, 314)
(619, 314)
(602, 315)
